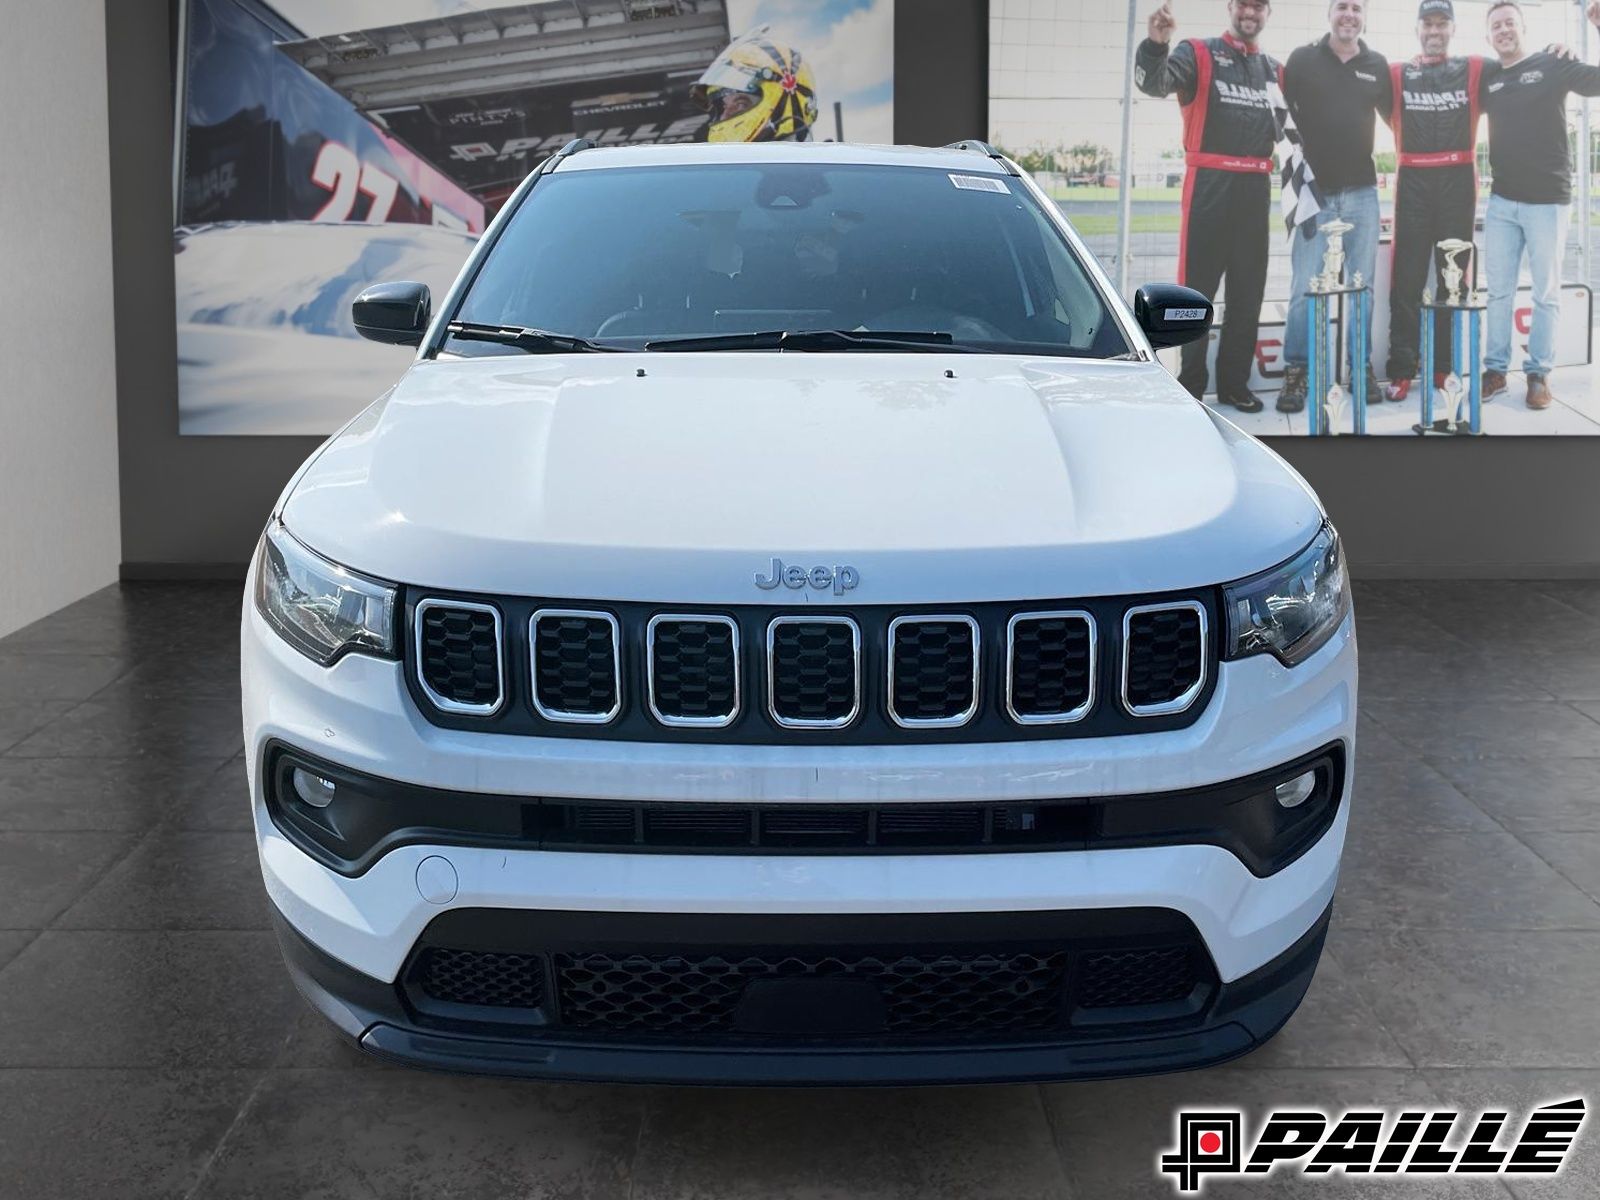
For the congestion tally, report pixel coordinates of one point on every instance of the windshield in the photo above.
(627, 256)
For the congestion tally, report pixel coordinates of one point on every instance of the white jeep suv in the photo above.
(786, 627)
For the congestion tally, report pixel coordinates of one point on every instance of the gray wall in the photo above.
(194, 506)
(58, 407)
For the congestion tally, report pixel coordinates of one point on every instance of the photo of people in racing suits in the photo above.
(1435, 126)
(1223, 85)
(1404, 125)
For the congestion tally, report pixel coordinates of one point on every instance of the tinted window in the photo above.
(634, 254)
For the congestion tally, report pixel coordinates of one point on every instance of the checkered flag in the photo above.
(1299, 198)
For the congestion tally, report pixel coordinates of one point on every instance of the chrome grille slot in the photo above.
(693, 669)
(577, 673)
(813, 671)
(933, 670)
(459, 657)
(1163, 657)
(1050, 666)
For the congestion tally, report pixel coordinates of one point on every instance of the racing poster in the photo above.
(325, 145)
(1056, 86)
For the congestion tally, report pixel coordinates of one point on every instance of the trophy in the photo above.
(1330, 404)
(1456, 406)
(1337, 407)
(1332, 257)
(1453, 272)
(1450, 421)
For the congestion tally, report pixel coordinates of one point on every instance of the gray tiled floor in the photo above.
(151, 1045)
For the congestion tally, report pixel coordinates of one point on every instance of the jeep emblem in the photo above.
(840, 579)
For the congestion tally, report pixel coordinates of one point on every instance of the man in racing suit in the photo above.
(1435, 120)
(1229, 129)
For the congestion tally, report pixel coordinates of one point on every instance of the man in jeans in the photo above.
(1525, 98)
(1335, 88)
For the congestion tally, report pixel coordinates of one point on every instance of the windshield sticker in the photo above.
(980, 183)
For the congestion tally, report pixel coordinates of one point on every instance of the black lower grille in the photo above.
(920, 993)
(482, 978)
(1165, 655)
(1136, 977)
(458, 652)
(947, 976)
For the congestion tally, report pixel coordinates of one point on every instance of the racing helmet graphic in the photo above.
(757, 91)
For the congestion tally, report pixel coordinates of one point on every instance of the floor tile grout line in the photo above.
(174, 758)
(1532, 849)
(1055, 1142)
(1355, 982)
(1573, 883)
(1477, 928)
(638, 1142)
(227, 1134)
(1533, 586)
(181, 929)
(167, 822)
(1433, 766)
(1573, 705)
(100, 878)
(75, 706)
(22, 949)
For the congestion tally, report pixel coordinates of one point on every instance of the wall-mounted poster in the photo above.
(1308, 165)
(325, 145)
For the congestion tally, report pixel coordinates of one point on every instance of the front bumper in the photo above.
(349, 938)
(1232, 1019)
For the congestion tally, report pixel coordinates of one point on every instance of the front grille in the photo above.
(576, 671)
(481, 978)
(809, 979)
(760, 675)
(813, 671)
(933, 670)
(458, 656)
(1050, 667)
(1163, 657)
(694, 669)
(920, 993)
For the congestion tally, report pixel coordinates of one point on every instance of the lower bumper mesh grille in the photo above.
(479, 978)
(889, 992)
(920, 993)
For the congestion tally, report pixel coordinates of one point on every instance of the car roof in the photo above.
(972, 162)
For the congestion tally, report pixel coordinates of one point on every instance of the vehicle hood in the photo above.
(678, 477)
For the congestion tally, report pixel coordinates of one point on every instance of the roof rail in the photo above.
(983, 148)
(572, 147)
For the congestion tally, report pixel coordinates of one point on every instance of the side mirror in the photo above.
(394, 313)
(1171, 315)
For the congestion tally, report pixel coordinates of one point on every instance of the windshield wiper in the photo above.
(817, 339)
(534, 341)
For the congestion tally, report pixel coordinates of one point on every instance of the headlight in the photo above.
(1291, 610)
(318, 607)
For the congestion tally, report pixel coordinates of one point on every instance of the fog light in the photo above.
(318, 792)
(1298, 790)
